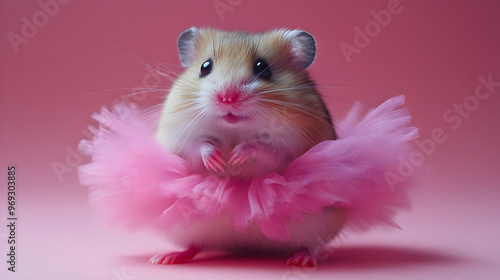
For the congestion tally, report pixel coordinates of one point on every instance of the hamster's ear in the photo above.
(303, 47)
(186, 45)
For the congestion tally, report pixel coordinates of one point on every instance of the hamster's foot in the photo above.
(212, 157)
(302, 258)
(242, 153)
(175, 257)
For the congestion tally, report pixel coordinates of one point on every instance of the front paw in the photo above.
(212, 157)
(242, 153)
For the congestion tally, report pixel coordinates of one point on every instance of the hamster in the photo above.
(245, 106)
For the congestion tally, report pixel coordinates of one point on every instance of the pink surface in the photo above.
(436, 53)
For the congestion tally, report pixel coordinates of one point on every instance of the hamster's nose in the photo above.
(228, 96)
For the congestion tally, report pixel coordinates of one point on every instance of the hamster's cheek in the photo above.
(255, 86)
(206, 93)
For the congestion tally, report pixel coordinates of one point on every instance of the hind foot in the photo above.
(302, 258)
(175, 257)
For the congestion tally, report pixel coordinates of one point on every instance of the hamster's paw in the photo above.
(302, 258)
(212, 157)
(175, 257)
(241, 153)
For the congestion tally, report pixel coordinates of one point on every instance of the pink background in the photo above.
(78, 60)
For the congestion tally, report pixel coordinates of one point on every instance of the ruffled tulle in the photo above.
(135, 181)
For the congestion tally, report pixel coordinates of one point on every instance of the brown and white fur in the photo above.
(243, 120)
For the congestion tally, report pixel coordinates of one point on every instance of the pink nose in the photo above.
(229, 96)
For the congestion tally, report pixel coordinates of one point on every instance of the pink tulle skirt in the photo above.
(135, 181)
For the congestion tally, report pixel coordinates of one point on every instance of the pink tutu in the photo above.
(135, 181)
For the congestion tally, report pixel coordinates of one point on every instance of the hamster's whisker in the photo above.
(185, 108)
(293, 106)
(107, 90)
(145, 91)
(151, 111)
(305, 134)
(185, 111)
(152, 116)
(255, 77)
(310, 112)
(152, 107)
(337, 99)
(153, 71)
(186, 82)
(198, 116)
(146, 66)
(296, 108)
(164, 65)
(285, 89)
(112, 90)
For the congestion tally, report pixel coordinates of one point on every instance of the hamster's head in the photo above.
(237, 77)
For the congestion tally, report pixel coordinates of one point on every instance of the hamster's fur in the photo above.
(246, 106)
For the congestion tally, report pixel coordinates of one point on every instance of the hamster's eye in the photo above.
(262, 69)
(206, 68)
